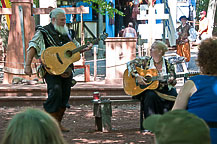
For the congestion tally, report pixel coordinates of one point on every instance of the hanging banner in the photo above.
(6, 4)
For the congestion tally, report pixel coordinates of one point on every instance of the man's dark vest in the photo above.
(54, 38)
(57, 37)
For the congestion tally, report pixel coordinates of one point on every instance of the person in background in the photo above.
(203, 26)
(130, 31)
(199, 93)
(120, 33)
(178, 127)
(33, 126)
(54, 34)
(184, 34)
(160, 100)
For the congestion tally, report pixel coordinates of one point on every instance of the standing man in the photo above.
(184, 35)
(130, 31)
(203, 26)
(55, 33)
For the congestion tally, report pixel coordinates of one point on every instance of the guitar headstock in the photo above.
(103, 36)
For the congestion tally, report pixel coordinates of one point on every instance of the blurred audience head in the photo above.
(33, 126)
(178, 127)
(207, 56)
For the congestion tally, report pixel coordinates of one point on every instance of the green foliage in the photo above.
(103, 6)
(36, 2)
(1, 3)
(4, 34)
(202, 5)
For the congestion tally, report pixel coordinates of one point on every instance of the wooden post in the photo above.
(151, 23)
(95, 64)
(82, 36)
(139, 46)
(82, 27)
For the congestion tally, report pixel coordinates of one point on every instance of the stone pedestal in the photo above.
(119, 51)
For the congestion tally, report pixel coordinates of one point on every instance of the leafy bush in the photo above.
(4, 34)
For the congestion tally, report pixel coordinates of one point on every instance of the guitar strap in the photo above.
(47, 36)
(165, 96)
(70, 37)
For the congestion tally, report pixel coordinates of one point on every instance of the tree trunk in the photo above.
(100, 31)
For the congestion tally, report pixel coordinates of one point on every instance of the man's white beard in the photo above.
(61, 29)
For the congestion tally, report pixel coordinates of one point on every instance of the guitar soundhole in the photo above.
(148, 79)
(69, 53)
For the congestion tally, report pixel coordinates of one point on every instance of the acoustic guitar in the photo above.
(131, 87)
(56, 59)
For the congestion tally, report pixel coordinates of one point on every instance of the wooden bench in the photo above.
(102, 111)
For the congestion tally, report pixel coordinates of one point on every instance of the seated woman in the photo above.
(199, 93)
(33, 126)
(159, 100)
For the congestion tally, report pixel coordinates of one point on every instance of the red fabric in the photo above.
(3, 4)
(153, 1)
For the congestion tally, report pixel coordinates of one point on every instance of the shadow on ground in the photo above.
(80, 120)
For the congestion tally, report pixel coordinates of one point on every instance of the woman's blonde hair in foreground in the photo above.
(33, 126)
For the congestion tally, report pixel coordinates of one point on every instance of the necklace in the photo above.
(158, 62)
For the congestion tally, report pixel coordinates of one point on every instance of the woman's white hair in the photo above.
(55, 12)
(160, 46)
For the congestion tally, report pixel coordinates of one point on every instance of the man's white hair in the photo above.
(56, 11)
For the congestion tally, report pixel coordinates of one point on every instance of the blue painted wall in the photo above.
(158, 2)
(86, 17)
(68, 16)
(110, 29)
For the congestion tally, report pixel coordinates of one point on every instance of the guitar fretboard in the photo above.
(84, 46)
(165, 77)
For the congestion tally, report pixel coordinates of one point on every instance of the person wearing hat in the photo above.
(203, 26)
(199, 93)
(183, 34)
(178, 127)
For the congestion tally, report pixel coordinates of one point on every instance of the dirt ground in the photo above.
(80, 121)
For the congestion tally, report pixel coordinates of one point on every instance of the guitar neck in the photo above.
(84, 46)
(177, 76)
(180, 75)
